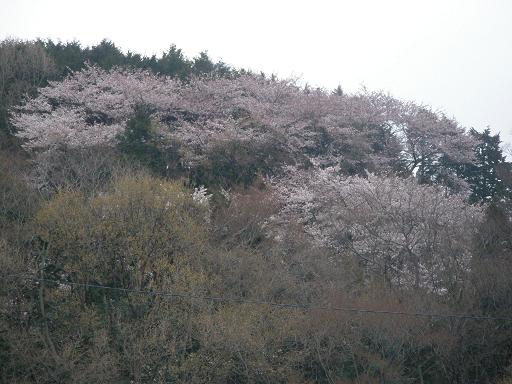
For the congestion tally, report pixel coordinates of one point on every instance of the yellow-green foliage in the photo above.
(142, 233)
(139, 231)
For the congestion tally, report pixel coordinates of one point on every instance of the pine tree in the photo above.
(485, 176)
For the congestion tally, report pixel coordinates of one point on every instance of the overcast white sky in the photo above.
(455, 55)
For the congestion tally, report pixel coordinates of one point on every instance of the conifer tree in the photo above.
(485, 175)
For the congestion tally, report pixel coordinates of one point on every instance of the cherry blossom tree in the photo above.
(89, 107)
(275, 122)
(430, 139)
(413, 234)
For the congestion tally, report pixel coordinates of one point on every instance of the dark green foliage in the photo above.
(106, 55)
(486, 175)
(173, 63)
(140, 142)
(236, 163)
(69, 56)
(227, 165)
(203, 64)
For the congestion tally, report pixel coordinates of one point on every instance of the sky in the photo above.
(454, 55)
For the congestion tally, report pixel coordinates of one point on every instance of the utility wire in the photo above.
(269, 303)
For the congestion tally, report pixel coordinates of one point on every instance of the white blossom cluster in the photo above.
(91, 107)
(201, 196)
(416, 235)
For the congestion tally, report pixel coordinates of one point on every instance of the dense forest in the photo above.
(174, 220)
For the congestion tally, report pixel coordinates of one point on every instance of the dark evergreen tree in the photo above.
(69, 56)
(203, 64)
(338, 91)
(486, 175)
(106, 54)
(138, 141)
(174, 63)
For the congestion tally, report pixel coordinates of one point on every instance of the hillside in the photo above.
(175, 220)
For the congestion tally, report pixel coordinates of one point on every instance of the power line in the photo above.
(270, 303)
